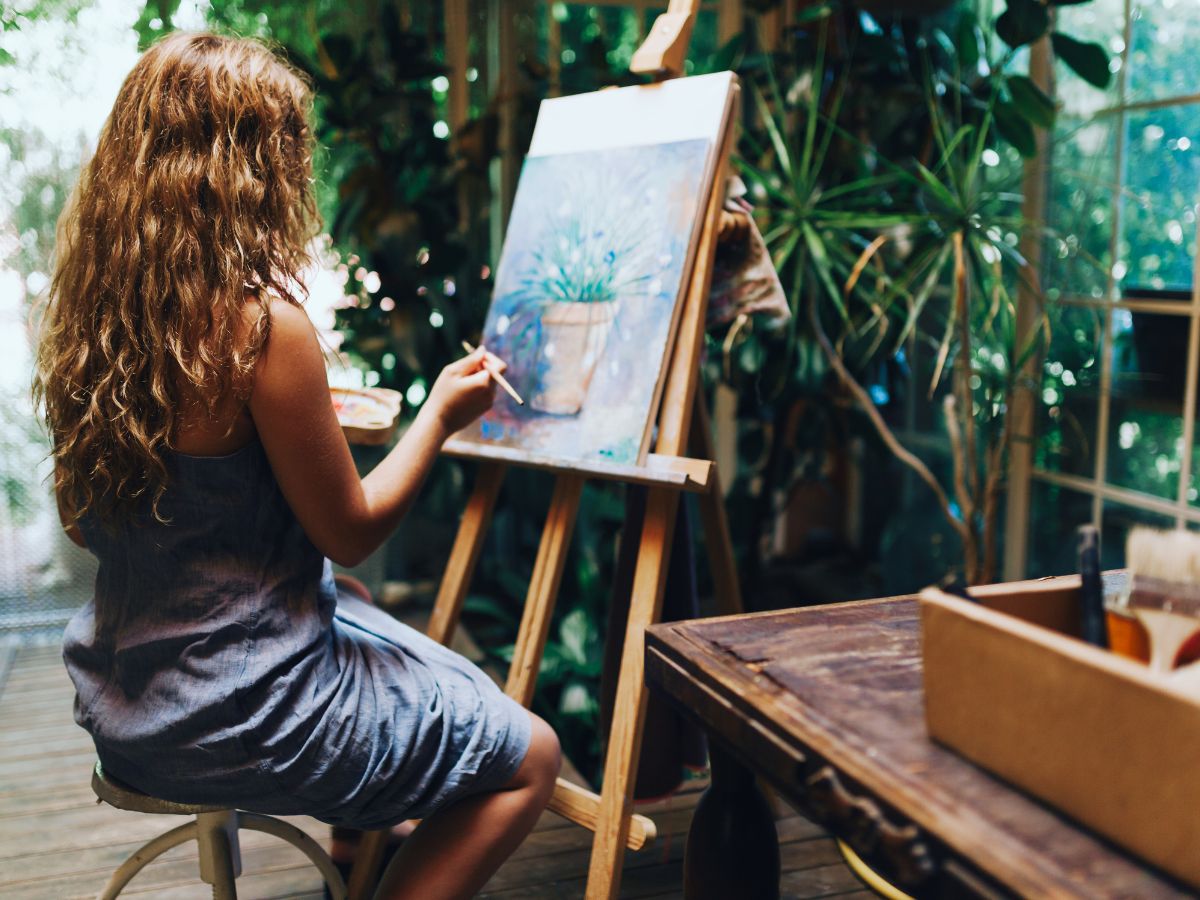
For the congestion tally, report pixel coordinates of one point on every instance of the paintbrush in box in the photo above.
(1164, 590)
(1091, 588)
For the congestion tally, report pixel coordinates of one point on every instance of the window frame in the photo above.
(1098, 486)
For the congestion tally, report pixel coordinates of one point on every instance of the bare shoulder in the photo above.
(288, 321)
(289, 315)
(290, 372)
(291, 342)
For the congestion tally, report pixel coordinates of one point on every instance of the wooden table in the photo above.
(825, 703)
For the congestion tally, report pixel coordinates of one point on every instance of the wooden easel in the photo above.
(683, 428)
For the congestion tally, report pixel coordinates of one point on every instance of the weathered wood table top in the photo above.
(826, 703)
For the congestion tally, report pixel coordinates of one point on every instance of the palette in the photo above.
(368, 416)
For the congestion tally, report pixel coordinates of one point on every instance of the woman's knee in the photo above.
(543, 759)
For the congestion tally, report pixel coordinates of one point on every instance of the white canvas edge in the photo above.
(680, 109)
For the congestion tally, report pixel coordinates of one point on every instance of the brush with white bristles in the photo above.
(1164, 589)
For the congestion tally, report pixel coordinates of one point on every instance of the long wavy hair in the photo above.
(196, 203)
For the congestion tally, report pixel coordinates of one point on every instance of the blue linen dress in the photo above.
(242, 677)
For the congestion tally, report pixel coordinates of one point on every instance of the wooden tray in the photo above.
(1098, 736)
(367, 415)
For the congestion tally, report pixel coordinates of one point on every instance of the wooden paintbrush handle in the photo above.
(1168, 633)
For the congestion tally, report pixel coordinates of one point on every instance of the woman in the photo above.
(199, 458)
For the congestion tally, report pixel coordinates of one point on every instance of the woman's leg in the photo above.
(454, 852)
(344, 841)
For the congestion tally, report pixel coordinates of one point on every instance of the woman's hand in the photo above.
(464, 390)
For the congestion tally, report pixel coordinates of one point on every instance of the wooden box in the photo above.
(1100, 737)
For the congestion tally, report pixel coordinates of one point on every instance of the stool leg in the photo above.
(297, 838)
(146, 853)
(220, 854)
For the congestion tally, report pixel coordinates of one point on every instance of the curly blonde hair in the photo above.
(196, 203)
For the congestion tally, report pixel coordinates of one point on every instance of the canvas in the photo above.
(592, 269)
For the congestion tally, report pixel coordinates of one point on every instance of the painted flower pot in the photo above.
(573, 340)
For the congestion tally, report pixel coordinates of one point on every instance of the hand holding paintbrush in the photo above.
(495, 373)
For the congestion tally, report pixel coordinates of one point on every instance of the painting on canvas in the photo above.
(592, 269)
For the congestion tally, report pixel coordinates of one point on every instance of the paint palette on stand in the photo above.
(368, 416)
(595, 264)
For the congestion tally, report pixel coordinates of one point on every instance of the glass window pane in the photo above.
(1069, 407)
(1054, 514)
(1116, 523)
(1101, 21)
(1080, 208)
(1145, 428)
(1162, 179)
(1163, 61)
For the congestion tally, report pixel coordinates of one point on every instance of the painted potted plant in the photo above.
(582, 269)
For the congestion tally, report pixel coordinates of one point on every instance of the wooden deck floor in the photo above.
(57, 843)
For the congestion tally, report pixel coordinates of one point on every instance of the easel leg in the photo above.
(727, 588)
(624, 742)
(543, 588)
(645, 608)
(472, 531)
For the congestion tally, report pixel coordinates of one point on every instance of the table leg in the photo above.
(732, 847)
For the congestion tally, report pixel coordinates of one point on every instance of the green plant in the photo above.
(22, 451)
(899, 231)
(577, 261)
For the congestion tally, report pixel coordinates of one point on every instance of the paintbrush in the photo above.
(495, 373)
(1091, 588)
(1164, 589)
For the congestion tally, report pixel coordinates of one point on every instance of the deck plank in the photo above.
(56, 842)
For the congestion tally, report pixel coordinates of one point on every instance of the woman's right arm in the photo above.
(345, 516)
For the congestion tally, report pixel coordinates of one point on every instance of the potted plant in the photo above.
(589, 258)
(910, 257)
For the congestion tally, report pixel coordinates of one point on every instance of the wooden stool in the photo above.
(215, 830)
